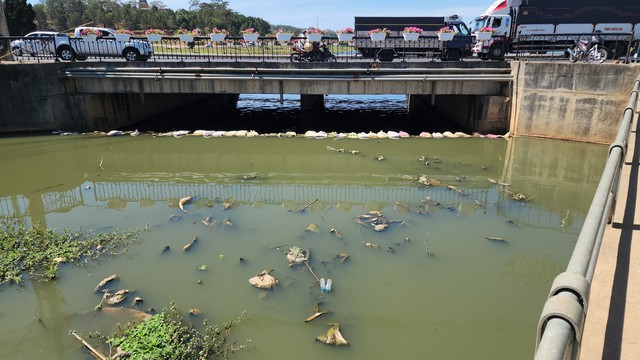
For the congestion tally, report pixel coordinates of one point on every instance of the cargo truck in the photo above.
(543, 25)
(427, 45)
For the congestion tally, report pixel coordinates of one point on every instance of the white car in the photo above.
(35, 43)
(105, 44)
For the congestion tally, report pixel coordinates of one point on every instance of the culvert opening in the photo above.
(271, 113)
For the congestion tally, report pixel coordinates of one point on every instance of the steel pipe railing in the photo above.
(561, 322)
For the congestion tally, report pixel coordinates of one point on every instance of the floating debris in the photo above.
(209, 221)
(263, 280)
(175, 217)
(379, 157)
(228, 223)
(493, 238)
(342, 256)
(166, 249)
(306, 206)
(189, 245)
(202, 268)
(105, 281)
(312, 228)
(185, 200)
(194, 312)
(228, 204)
(333, 336)
(375, 221)
(317, 313)
(296, 255)
(250, 177)
(354, 152)
(336, 233)
(370, 245)
(116, 298)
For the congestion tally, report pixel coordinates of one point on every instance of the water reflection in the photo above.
(396, 300)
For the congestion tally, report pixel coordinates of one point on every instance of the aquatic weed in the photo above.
(39, 251)
(167, 336)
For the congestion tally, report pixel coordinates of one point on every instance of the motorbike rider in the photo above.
(313, 49)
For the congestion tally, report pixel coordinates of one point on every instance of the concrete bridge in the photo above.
(550, 99)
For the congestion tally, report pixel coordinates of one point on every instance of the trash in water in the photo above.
(333, 336)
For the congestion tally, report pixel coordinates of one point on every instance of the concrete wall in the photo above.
(561, 100)
(33, 98)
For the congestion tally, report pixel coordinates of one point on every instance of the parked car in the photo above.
(104, 45)
(80, 48)
(34, 43)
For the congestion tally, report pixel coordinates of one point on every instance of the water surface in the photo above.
(467, 297)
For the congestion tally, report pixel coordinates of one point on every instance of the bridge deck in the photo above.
(612, 325)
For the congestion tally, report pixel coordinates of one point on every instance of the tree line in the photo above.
(64, 15)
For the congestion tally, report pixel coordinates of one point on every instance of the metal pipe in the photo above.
(557, 336)
(256, 70)
(170, 76)
(555, 339)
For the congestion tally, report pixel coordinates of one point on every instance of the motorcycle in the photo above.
(318, 53)
(589, 50)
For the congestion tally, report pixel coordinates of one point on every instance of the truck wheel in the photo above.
(452, 55)
(385, 55)
(131, 54)
(496, 52)
(616, 49)
(66, 53)
(81, 57)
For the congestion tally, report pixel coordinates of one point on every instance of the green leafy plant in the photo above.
(249, 31)
(39, 251)
(154, 31)
(185, 32)
(379, 31)
(412, 29)
(166, 336)
(125, 32)
(215, 30)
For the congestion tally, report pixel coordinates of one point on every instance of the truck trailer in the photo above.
(551, 24)
(428, 44)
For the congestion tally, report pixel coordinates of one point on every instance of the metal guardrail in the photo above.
(233, 48)
(562, 319)
(552, 47)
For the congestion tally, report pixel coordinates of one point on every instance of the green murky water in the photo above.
(471, 298)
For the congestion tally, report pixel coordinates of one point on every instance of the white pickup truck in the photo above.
(80, 48)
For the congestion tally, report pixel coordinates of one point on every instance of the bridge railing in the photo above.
(553, 47)
(562, 319)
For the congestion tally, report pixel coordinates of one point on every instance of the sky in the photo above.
(339, 14)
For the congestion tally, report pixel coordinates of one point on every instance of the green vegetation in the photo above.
(39, 251)
(64, 15)
(165, 336)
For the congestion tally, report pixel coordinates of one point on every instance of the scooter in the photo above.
(319, 53)
(589, 50)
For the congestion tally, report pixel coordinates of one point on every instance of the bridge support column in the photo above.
(312, 107)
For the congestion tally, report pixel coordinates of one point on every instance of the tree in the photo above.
(20, 16)
(41, 17)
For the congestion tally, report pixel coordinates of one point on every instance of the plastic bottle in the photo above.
(323, 286)
(328, 286)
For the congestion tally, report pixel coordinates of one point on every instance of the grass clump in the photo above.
(165, 336)
(39, 251)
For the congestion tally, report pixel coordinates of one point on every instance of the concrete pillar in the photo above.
(477, 113)
(311, 108)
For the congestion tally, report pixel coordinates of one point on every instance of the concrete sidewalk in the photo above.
(612, 328)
